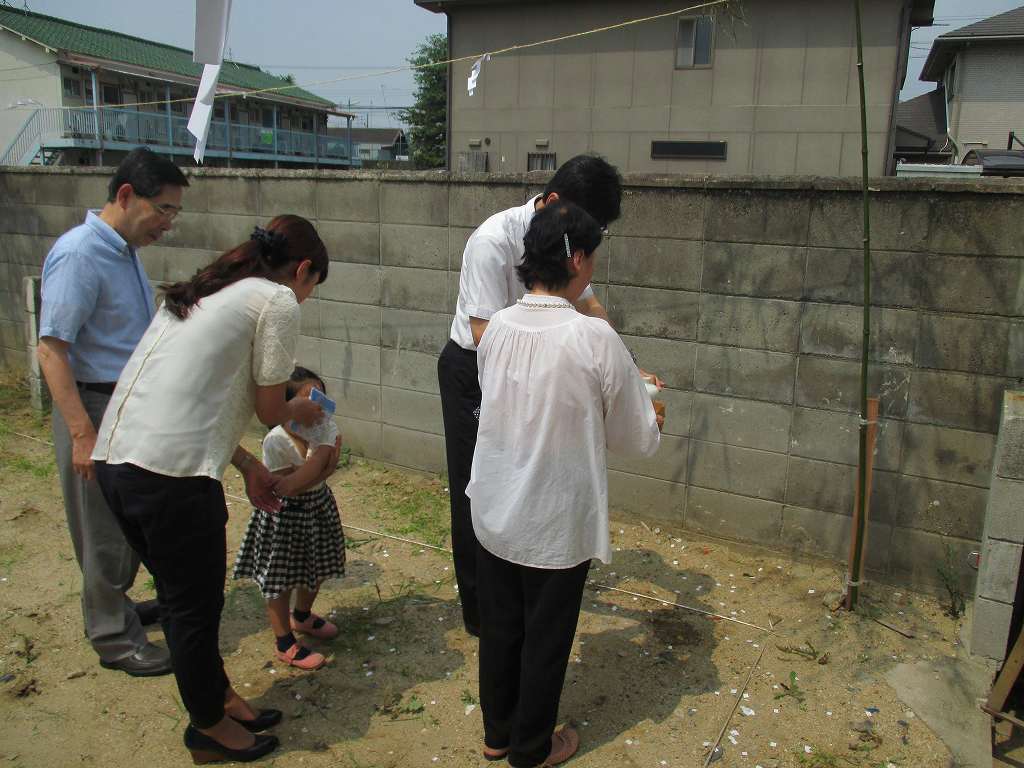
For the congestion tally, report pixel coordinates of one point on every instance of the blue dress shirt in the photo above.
(96, 297)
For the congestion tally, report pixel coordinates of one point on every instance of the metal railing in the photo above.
(107, 125)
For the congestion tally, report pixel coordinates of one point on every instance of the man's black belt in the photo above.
(102, 387)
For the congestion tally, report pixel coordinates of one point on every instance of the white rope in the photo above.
(447, 551)
(732, 712)
(591, 584)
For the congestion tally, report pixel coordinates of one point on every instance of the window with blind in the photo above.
(695, 42)
(540, 161)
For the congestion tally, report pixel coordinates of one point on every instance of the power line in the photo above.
(435, 64)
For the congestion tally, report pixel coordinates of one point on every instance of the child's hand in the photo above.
(305, 412)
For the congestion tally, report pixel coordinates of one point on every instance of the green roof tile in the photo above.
(63, 35)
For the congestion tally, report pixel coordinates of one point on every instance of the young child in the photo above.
(301, 546)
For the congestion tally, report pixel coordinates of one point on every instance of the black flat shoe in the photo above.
(207, 750)
(265, 718)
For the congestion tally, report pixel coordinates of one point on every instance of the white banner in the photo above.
(202, 110)
(211, 30)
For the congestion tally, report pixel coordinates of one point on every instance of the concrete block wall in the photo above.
(741, 293)
(1003, 536)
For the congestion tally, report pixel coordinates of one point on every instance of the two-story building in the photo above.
(771, 91)
(981, 71)
(79, 95)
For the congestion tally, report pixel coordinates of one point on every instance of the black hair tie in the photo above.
(272, 244)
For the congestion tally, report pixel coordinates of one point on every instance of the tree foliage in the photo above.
(428, 117)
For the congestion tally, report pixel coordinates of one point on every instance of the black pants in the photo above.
(460, 408)
(176, 524)
(529, 620)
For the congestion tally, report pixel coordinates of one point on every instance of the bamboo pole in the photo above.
(858, 533)
(860, 511)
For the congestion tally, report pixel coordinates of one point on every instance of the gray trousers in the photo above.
(108, 564)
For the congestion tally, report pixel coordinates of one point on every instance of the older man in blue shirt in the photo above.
(97, 303)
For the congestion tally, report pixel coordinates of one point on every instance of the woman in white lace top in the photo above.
(221, 346)
(559, 390)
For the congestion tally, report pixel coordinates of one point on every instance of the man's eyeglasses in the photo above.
(165, 210)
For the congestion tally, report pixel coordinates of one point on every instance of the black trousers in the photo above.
(460, 409)
(176, 524)
(529, 619)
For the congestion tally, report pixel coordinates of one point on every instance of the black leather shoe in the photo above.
(149, 661)
(206, 750)
(265, 718)
(148, 612)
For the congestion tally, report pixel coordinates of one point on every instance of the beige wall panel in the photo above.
(572, 119)
(612, 146)
(613, 69)
(536, 80)
(573, 77)
(712, 120)
(819, 153)
(774, 153)
(693, 87)
(733, 76)
(654, 64)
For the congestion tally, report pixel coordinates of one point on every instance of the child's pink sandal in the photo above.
(315, 626)
(310, 661)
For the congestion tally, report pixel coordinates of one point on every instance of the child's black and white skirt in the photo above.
(300, 546)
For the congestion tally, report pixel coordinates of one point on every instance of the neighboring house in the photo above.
(376, 143)
(774, 92)
(981, 67)
(78, 95)
(921, 129)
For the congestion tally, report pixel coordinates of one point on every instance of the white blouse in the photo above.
(559, 388)
(188, 391)
(281, 452)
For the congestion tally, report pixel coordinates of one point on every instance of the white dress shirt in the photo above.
(188, 391)
(559, 388)
(488, 281)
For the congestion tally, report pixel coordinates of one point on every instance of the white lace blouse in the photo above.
(188, 391)
(559, 388)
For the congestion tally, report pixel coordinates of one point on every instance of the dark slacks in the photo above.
(176, 524)
(529, 619)
(460, 409)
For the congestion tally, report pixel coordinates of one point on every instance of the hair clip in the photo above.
(568, 250)
(269, 241)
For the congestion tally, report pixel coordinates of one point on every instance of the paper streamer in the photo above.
(474, 73)
(211, 30)
(202, 111)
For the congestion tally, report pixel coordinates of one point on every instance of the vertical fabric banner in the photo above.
(202, 110)
(211, 30)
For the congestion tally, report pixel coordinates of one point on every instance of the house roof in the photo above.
(921, 14)
(386, 137)
(69, 37)
(1005, 26)
(924, 116)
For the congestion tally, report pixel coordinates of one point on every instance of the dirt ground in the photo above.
(648, 684)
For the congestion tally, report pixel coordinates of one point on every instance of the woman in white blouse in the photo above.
(221, 346)
(559, 389)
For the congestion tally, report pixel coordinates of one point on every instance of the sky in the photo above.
(327, 39)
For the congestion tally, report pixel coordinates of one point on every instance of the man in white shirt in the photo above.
(489, 283)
